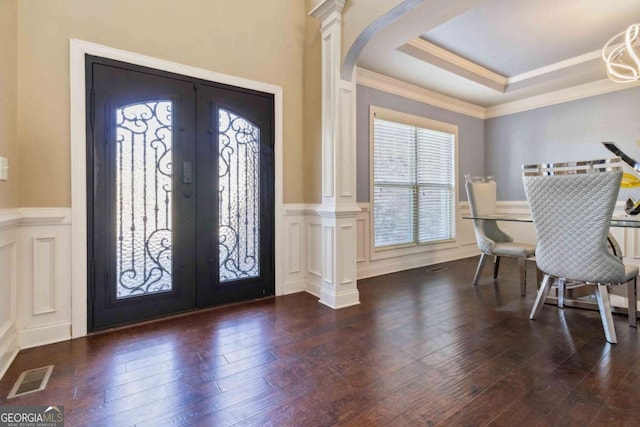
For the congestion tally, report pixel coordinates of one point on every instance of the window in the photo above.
(414, 191)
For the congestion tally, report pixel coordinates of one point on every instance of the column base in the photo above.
(340, 300)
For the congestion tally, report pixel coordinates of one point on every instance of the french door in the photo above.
(180, 193)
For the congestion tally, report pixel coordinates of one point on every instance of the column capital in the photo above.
(326, 8)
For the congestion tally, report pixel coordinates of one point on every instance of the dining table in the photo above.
(581, 296)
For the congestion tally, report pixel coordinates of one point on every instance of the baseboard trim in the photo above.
(393, 265)
(313, 287)
(9, 348)
(295, 286)
(43, 335)
(339, 300)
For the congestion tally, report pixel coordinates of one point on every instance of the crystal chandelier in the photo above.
(622, 55)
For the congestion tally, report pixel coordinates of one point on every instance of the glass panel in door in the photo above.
(143, 200)
(238, 197)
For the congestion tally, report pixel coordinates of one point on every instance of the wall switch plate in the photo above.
(4, 169)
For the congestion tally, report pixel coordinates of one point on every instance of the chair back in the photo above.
(571, 205)
(481, 193)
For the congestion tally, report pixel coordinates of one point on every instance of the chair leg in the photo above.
(561, 289)
(547, 281)
(522, 267)
(483, 259)
(602, 295)
(496, 267)
(539, 276)
(632, 298)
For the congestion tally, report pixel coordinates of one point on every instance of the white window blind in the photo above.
(414, 184)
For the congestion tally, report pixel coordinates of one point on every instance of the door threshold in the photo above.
(178, 315)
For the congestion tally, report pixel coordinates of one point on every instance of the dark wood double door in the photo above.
(180, 193)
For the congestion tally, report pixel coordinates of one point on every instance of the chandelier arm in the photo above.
(629, 42)
(619, 53)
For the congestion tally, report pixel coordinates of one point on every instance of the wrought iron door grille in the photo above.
(238, 197)
(143, 183)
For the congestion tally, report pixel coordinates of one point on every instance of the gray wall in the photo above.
(559, 133)
(471, 145)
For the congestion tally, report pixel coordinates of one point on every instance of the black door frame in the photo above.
(272, 204)
(78, 228)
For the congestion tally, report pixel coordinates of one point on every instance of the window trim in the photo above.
(422, 122)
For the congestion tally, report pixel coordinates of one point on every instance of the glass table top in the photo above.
(618, 220)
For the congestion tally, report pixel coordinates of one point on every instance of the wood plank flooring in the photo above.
(423, 348)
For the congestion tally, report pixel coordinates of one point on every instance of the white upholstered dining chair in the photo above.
(492, 241)
(572, 205)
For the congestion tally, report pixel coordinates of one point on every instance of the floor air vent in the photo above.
(436, 269)
(31, 381)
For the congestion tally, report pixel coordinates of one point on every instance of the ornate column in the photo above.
(339, 207)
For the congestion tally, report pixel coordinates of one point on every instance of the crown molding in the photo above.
(458, 61)
(577, 60)
(440, 57)
(406, 90)
(587, 90)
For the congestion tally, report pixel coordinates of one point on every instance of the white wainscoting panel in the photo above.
(347, 258)
(44, 261)
(520, 231)
(465, 246)
(371, 263)
(327, 256)
(635, 244)
(44, 275)
(628, 238)
(362, 238)
(8, 287)
(314, 253)
(294, 246)
(35, 279)
(314, 246)
(295, 262)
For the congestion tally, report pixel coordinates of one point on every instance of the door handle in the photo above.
(187, 173)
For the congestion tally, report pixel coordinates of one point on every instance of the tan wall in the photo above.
(312, 110)
(8, 100)
(255, 39)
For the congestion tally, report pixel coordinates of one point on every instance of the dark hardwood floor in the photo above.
(423, 348)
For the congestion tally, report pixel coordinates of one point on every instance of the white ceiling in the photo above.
(489, 52)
